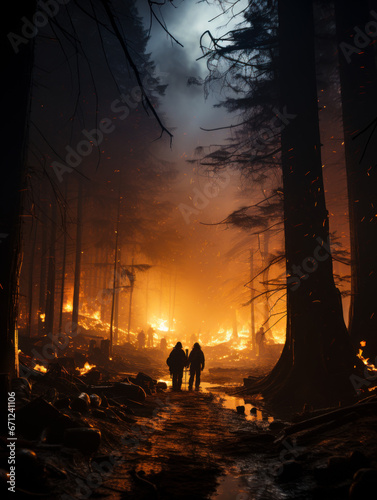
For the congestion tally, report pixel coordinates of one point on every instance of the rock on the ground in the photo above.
(364, 485)
(86, 440)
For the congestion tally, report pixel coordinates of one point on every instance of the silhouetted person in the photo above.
(150, 336)
(196, 363)
(141, 339)
(163, 344)
(176, 362)
(261, 338)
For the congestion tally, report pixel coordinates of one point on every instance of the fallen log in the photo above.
(359, 409)
(304, 436)
(121, 391)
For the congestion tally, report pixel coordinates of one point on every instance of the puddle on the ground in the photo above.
(251, 478)
(230, 488)
(252, 413)
(256, 485)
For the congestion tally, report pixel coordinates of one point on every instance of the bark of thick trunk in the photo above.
(358, 79)
(15, 100)
(51, 274)
(317, 359)
(76, 288)
(266, 254)
(252, 305)
(31, 278)
(42, 275)
(64, 259)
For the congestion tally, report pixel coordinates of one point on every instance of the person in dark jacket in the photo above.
(176, 362)
(196, 363)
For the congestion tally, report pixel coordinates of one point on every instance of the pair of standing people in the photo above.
(178, 360)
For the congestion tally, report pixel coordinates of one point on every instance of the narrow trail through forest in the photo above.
(180, 453)
(195, 448)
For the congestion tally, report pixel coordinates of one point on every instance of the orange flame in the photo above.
(87, 367)
(370, 366)
(68, 307)
(40, 368)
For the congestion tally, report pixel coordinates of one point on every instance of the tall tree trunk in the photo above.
(31, 278)
(115, 289)
(76, 287)
(132, 282)
(252, 305)
(43, 273)
(116, 305)
(147, 299)
(105, 269)
(64, 259)
(266, 255)
(358, 79)
(51, 274)
(15, 99)
(317, 359)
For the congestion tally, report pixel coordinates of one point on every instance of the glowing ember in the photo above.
(370, 366)
(40, 368)
(43, 317)
(87, 367)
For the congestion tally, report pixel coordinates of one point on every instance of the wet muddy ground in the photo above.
(174, 451)
(188, 445)
(194, 446)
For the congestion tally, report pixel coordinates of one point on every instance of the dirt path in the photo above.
(182, 445)
(179, 448)
(179, 451)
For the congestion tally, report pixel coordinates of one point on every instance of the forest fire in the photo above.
(188, 237)
(366, 362)
(162, 325)
(87, 367)
(40, 368)
(68, 307)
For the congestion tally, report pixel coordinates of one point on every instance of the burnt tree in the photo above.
(358, 79)
(317, 359)
(17, 62)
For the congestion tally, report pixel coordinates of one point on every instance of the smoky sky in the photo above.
(185, 105)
